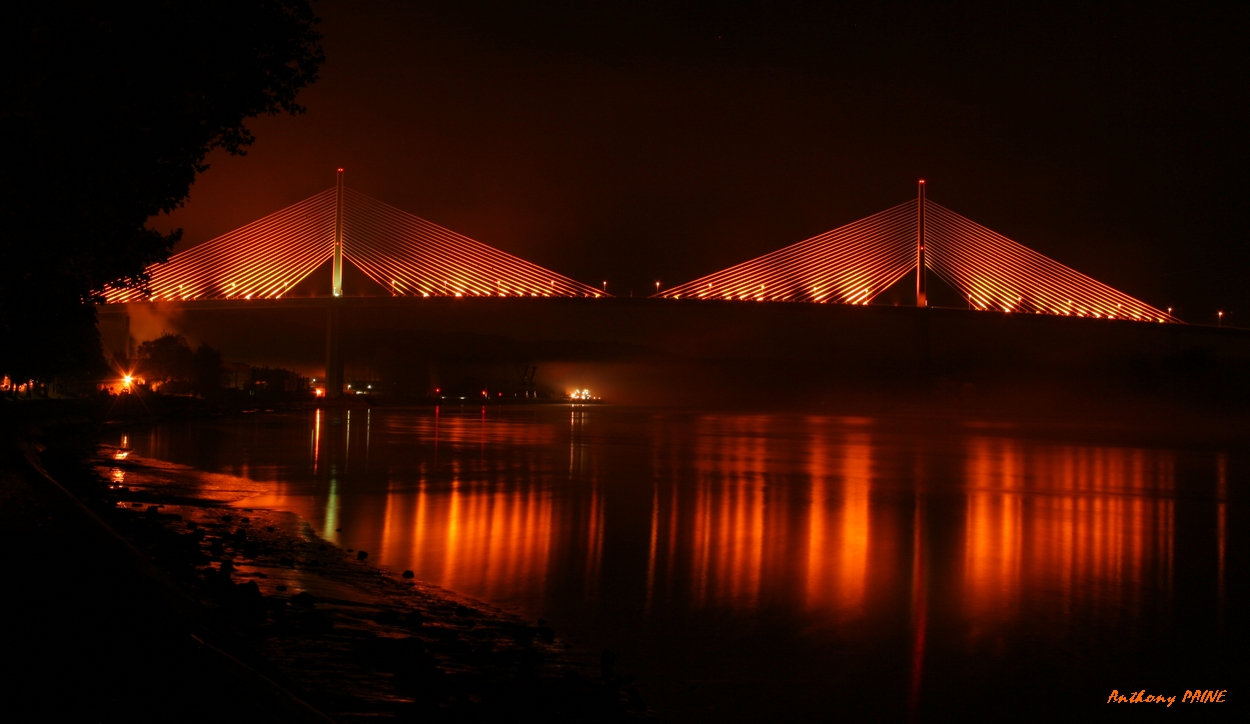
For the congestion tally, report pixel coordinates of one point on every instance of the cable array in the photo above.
(405, 254)
(854, 263)
(261, 260)
(995, 273)
(409, 256)
(849, 265)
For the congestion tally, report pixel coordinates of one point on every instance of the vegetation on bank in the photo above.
(107, 113)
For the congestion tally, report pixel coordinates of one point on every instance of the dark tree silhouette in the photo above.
(169, 363)
(107, 112)
(167, 360)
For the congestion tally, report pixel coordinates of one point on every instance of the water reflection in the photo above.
(838, 536)
(496, 542)
(738, 509)
(842, 532)
(1094, 525)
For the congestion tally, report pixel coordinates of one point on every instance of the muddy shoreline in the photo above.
(361, 641)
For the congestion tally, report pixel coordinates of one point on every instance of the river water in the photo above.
(752, 567)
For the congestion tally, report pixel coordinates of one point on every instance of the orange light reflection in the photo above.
(1092, 528)
(838, 537)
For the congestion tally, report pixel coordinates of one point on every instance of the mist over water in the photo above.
(783, 566)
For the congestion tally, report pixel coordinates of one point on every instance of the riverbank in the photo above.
(133, 600)
(369, 642)
(94, 632)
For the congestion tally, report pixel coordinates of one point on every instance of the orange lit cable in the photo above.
(404, 253)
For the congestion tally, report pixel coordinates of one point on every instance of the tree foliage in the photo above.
(169, 361)
(166, 359)
(107, 112)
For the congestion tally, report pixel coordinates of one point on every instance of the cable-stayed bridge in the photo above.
(274, 258)
(853, 264)
(404, 254)
(409, 256)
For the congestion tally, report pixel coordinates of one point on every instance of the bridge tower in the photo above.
(337, 280)
(922, 294)
(334, 311)
(921, 375)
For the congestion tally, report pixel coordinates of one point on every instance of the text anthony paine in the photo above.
(1198, 696)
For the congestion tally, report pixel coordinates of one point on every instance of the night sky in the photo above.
(635, 142)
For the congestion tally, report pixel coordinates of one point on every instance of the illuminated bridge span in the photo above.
(403, 253)
(854, 263)
(411, 257)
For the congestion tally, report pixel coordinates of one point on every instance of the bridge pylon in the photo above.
(922, 292)
(336, 288)
(334, 311)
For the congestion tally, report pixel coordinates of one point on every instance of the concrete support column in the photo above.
(334, 348)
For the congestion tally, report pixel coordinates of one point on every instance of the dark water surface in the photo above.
(751, 567)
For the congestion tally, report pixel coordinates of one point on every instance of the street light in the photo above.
(657, 287)
(1220, 322)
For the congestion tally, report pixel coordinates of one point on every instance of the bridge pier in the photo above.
(922, 372)
(334, 348)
